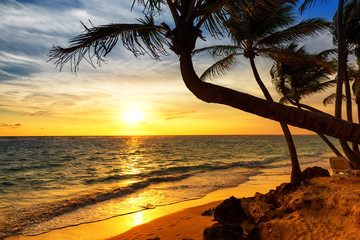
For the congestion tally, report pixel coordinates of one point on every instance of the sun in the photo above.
(133, 116)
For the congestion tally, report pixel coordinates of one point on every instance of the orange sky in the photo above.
(36, 99)
(95, 104)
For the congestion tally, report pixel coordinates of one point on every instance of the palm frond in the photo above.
(283, 100)
(150, 6)
(218, 69)
(214, 15)
(292, 54)
(218, 50)
(329, 99)
(315, 87)
(356, 88)
(274, 21)
(301, 31)
(142, 38)
(327, 53)
(309, 3)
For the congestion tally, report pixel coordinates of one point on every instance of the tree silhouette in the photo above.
(190, 18)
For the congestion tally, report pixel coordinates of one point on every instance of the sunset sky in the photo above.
(125, 96)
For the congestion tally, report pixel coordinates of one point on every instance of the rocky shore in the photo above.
(319, 208)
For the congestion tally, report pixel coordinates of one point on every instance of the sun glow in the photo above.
(133, 117)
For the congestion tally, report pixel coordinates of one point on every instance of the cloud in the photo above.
(54, 4)
(6, 125)
(31, 86)
(30, 28)
(177, 115)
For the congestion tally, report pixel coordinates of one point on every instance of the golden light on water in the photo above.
(138, 218)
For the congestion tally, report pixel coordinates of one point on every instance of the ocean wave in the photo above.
(40, 166)
(13, 221)
(311, 154)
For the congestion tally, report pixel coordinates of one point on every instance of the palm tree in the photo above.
(351, 15)
(296, 81)
(261, 34)
(354, 75)
(342, 59)
(341, 75)
(189, 19)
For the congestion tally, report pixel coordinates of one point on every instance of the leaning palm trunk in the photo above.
(325, 139)
(296, 175)
(312, 121)
(330, 145)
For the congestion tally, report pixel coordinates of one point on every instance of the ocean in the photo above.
(48, 183)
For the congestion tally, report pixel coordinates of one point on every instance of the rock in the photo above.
(209, 212)
(254, 234)
(275, 197)
(269, 231)
(230, 211)
(245, 206)
(249, 227)
(312, 172)
(224, 232)
(261, 211)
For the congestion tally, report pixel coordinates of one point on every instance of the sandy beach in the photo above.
(181, 220)
(321, 208)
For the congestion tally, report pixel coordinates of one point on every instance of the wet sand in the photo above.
(181, 220)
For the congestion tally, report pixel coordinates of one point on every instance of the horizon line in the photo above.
(160, 135)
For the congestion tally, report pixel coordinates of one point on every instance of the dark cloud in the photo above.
(53, 3)
(19, 69)
(5, 76)
(6, 125)
(10, 71)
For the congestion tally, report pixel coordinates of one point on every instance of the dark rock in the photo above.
(274, 197)
(249, 227)
(230, 211)
(269, 231)
(224, 232)
(245, 202)
(261, 211)
(254, 234)
(209, 212)
(312, 172)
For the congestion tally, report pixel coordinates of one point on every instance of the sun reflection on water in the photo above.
(138, 218)
(134, 151)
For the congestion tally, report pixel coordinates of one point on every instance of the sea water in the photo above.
(54, 182)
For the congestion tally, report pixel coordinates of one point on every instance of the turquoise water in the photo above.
(55, 182)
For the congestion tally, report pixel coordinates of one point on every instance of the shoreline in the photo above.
(116, 226)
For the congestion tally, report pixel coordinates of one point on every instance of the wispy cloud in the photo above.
(177, 115)
(31, 86)
(6, 125)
